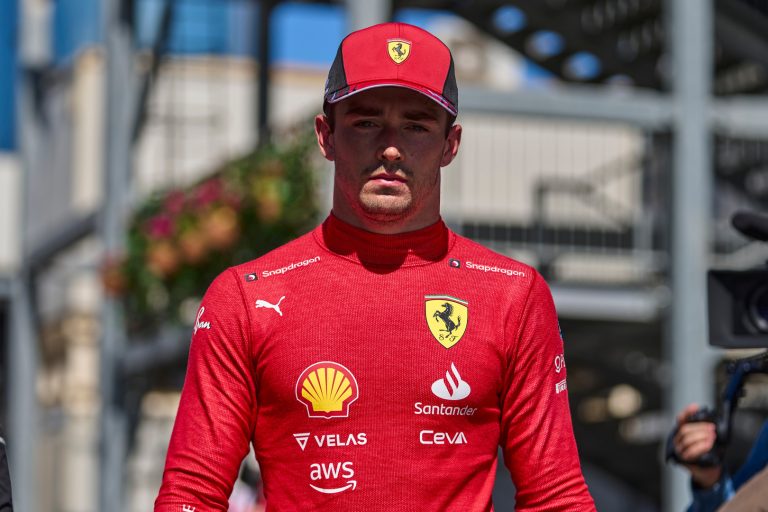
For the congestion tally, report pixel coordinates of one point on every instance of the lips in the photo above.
(393, 178)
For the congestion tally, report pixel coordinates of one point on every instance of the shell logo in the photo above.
(327, 389)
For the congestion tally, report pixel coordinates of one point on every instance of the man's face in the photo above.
(388, 145)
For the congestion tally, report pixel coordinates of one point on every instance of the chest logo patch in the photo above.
(399, 50)
(446, 318)
(327, 389)
(264, 304)
(199, 322)
(452, 387)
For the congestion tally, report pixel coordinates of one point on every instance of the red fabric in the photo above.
(427, 63)
(417, 60)
(356, 303)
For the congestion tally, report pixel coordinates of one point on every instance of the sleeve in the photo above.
(216, 413)
(709, 500)
(756, 461)
(536, 432)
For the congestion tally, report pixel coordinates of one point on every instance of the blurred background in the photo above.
(147, 144)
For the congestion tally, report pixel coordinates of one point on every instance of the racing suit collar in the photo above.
(421, 247)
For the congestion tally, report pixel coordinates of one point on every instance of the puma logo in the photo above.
(264, 304)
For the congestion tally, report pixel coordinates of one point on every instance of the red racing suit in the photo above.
(376, 373)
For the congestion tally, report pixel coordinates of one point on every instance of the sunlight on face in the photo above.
(388, 145)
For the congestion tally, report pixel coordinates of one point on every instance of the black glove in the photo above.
(712, 458)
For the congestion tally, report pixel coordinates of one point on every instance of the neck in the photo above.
(418, 247)
(384, 224)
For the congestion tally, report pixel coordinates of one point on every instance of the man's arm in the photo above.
(710, 486)
(537, 436)
(709, 499)
(746, 486)
(757, 460)
(216, 414)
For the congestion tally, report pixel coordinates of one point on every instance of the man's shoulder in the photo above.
(475, 256)
(302, 251)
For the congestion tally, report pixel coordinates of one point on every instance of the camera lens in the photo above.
(757, 309)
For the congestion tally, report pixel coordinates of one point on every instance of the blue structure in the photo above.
(321, 27)
(8, 44)
(303, 34)
(76, 24)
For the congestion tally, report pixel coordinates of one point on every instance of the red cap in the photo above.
(394, 54)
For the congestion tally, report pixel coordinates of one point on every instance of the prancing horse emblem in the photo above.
(399, 50)
(446, 318)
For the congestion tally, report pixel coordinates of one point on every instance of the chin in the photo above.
(388, 207)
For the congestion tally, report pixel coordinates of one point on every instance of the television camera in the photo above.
(738, 318)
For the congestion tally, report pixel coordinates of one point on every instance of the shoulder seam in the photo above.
(491, 252)
(249, 341)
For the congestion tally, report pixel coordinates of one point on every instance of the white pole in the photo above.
(691, 29)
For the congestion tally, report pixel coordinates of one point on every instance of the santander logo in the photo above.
(452, 387)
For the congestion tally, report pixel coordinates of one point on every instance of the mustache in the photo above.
(388, 167)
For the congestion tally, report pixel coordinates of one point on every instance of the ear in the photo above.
(451, 147)
(324, 135)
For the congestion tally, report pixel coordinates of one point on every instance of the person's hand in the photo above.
(694, 440)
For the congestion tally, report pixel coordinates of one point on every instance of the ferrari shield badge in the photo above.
(447, 318)
(399, 50)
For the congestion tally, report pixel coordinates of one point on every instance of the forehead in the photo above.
(392, 99)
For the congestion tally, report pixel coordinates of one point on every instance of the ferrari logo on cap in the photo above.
(446, 318)
(399, 50)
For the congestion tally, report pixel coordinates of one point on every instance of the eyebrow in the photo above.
(421, 115)
(361, 110)
(411, 115)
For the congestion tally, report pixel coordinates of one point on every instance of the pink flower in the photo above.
(174, 202)
(159, 227)
(208, 192)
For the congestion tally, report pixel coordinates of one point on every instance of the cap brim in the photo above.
(352, 90)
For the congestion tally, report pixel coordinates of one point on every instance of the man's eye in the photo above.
(418, 128)
(365, 124)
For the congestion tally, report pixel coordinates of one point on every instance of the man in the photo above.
(377, 362)
(713, 487)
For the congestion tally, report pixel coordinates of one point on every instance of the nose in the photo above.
(390, 151)
(391, 154)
